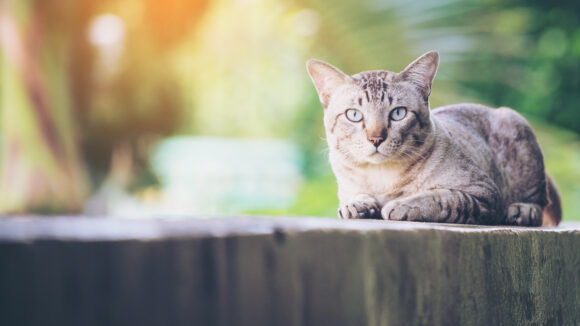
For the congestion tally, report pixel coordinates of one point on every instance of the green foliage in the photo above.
(561, 150)
(318, 197)
(526, 56)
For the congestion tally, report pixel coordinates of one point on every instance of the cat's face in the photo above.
(376, 116)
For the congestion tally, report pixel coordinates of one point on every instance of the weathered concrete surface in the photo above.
(284, 271)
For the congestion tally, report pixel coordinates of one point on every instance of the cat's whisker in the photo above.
(413, 154)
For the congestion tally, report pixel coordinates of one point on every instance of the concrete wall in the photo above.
(283, 271)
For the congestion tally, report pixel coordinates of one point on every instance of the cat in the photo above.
(395, 159)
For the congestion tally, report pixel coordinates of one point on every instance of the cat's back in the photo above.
(475, 117)
(485, 123)
(478, 133)
(468, 125)
(500, 141)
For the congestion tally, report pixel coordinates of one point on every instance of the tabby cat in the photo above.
(395, 159)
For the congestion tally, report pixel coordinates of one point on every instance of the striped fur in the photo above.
(463, 163)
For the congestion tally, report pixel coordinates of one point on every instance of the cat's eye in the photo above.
(354, 115)
(398, 113)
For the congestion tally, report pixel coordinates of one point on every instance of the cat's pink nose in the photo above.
(376, 140)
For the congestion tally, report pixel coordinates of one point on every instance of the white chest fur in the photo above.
(375, 180)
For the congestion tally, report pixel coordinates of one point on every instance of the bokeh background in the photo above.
(138, 108)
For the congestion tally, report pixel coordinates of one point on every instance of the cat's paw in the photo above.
(361, 207)
(398, 210)
(524, 214)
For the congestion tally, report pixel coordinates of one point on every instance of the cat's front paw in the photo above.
(398, 210)
(361, 207)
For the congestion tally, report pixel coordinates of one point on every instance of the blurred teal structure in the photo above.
(218, 176)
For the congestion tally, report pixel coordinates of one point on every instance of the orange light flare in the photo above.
(168, 22)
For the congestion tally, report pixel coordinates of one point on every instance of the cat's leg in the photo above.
(519, 156)
(361, 206)
(524, 214)
(445, 206)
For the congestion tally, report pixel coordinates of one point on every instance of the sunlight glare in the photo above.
(306, 22)
(107, 33)
(107, 30)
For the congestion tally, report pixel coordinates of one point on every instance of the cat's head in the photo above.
(376, 116)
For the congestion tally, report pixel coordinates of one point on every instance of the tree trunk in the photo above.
(41, 170)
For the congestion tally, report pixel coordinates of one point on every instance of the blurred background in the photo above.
(139, 108)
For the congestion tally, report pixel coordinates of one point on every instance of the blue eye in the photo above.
(398, 113)
(354, 115)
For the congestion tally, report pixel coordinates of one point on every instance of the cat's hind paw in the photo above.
(363, 208)
(524, 214)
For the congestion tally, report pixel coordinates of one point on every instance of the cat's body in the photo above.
(395, 159)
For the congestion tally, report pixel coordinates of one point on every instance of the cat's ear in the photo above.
(326, 78)
(422, 71)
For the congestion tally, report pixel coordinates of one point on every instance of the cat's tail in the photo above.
(553, 211)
